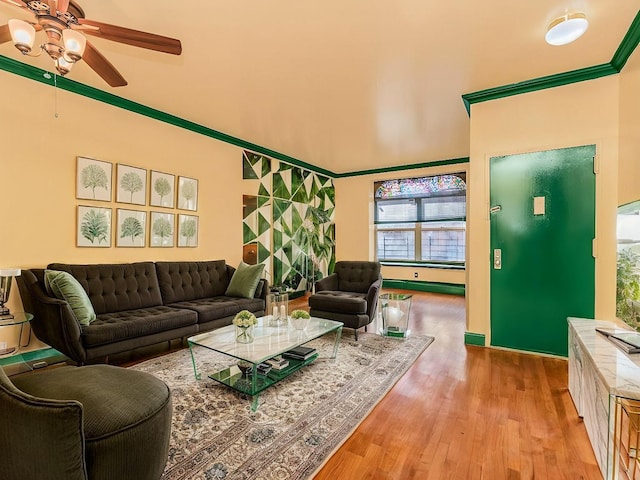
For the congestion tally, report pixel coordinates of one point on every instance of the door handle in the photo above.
(497, 259)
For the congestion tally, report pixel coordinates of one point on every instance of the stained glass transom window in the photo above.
(420, 187)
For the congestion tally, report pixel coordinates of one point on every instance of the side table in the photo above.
(395, 309)
(19, 319)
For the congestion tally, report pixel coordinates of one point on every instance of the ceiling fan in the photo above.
(62, 21)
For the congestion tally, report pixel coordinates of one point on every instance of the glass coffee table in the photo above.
(269, 342)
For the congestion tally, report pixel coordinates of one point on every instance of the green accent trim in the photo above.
(420, 286)
(398, 168)
(620, 57)
(34, 355)
(37, 74)
(541, 83)
(628, 45)
(474, 339)
(443, 265)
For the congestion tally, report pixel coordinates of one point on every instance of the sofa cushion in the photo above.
(244, 280)
(214, 308)
(343, 302)
(185, 281)
(356, 276)
(116, 326)
(117, 287)
(63, 286)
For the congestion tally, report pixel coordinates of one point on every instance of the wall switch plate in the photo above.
(538, 206)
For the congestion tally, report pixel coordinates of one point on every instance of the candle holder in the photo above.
(395, 308)
(277, 309)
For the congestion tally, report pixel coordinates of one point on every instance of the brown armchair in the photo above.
(349, 295)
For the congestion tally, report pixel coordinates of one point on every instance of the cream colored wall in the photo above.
(629, 155)
(579, 114)
(354, 223)
(38, 174)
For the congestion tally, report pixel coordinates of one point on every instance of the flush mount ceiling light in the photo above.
(566, 29)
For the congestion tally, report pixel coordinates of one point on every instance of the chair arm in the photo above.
(372, 297)
(327, 283)
(53, 429)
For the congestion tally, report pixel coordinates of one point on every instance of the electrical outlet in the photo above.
(415, 274)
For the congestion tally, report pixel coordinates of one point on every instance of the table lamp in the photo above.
(6, 274)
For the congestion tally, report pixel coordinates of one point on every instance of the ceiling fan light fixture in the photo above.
(63, 66)
(566, 29)
(74, 44)
(23, 35)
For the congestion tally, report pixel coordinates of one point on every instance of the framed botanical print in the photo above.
(162, 191)
(187, 230)
(132, 185)
(93, 179)
(131, 228)
(93, 227)
(162, 229)
(187, 193)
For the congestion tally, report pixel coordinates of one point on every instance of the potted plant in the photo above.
(300, 319)
(244, 322)
(628, 288)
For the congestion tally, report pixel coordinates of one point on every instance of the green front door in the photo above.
(542, 227)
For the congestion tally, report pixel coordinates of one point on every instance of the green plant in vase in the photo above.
(244, 322)
(299, 319)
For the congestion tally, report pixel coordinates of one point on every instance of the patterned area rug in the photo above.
(300, 422)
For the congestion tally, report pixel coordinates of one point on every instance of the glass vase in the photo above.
(277, 309)
(244, 334)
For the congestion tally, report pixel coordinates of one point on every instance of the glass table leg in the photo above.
(193, 361)
(337, 342)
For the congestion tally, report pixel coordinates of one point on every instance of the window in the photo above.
(421, 220)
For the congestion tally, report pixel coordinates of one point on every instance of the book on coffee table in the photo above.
(300, 353)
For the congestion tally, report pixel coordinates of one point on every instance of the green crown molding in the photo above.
(624, 51)
(397, 168)
(541, 83)
(628, 45)
(42, 76)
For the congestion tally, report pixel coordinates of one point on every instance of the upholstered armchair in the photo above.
(84, 423)
(349, 295)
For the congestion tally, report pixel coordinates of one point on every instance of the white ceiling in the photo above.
(343, 85)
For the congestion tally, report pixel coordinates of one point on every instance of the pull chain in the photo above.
(55, 95)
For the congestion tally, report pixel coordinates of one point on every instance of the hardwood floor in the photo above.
(465, 412)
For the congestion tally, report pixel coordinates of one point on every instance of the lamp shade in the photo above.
(74, 44)
(22, 34)
(10, 272)
(566, 29)
(63, 66)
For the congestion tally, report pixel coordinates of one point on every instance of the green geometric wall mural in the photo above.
(290, 221)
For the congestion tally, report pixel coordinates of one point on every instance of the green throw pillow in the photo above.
(244, 281)
(64, 286)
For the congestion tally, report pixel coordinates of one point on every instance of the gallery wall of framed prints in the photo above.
(101, 188)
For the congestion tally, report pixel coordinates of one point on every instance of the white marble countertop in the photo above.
(619, 371)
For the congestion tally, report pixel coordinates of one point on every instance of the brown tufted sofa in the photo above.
(137, 304)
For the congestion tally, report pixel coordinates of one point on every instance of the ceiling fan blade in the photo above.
(5, 34)
(15, 3)
(63, 5)
(136, 38)
(103, 67)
